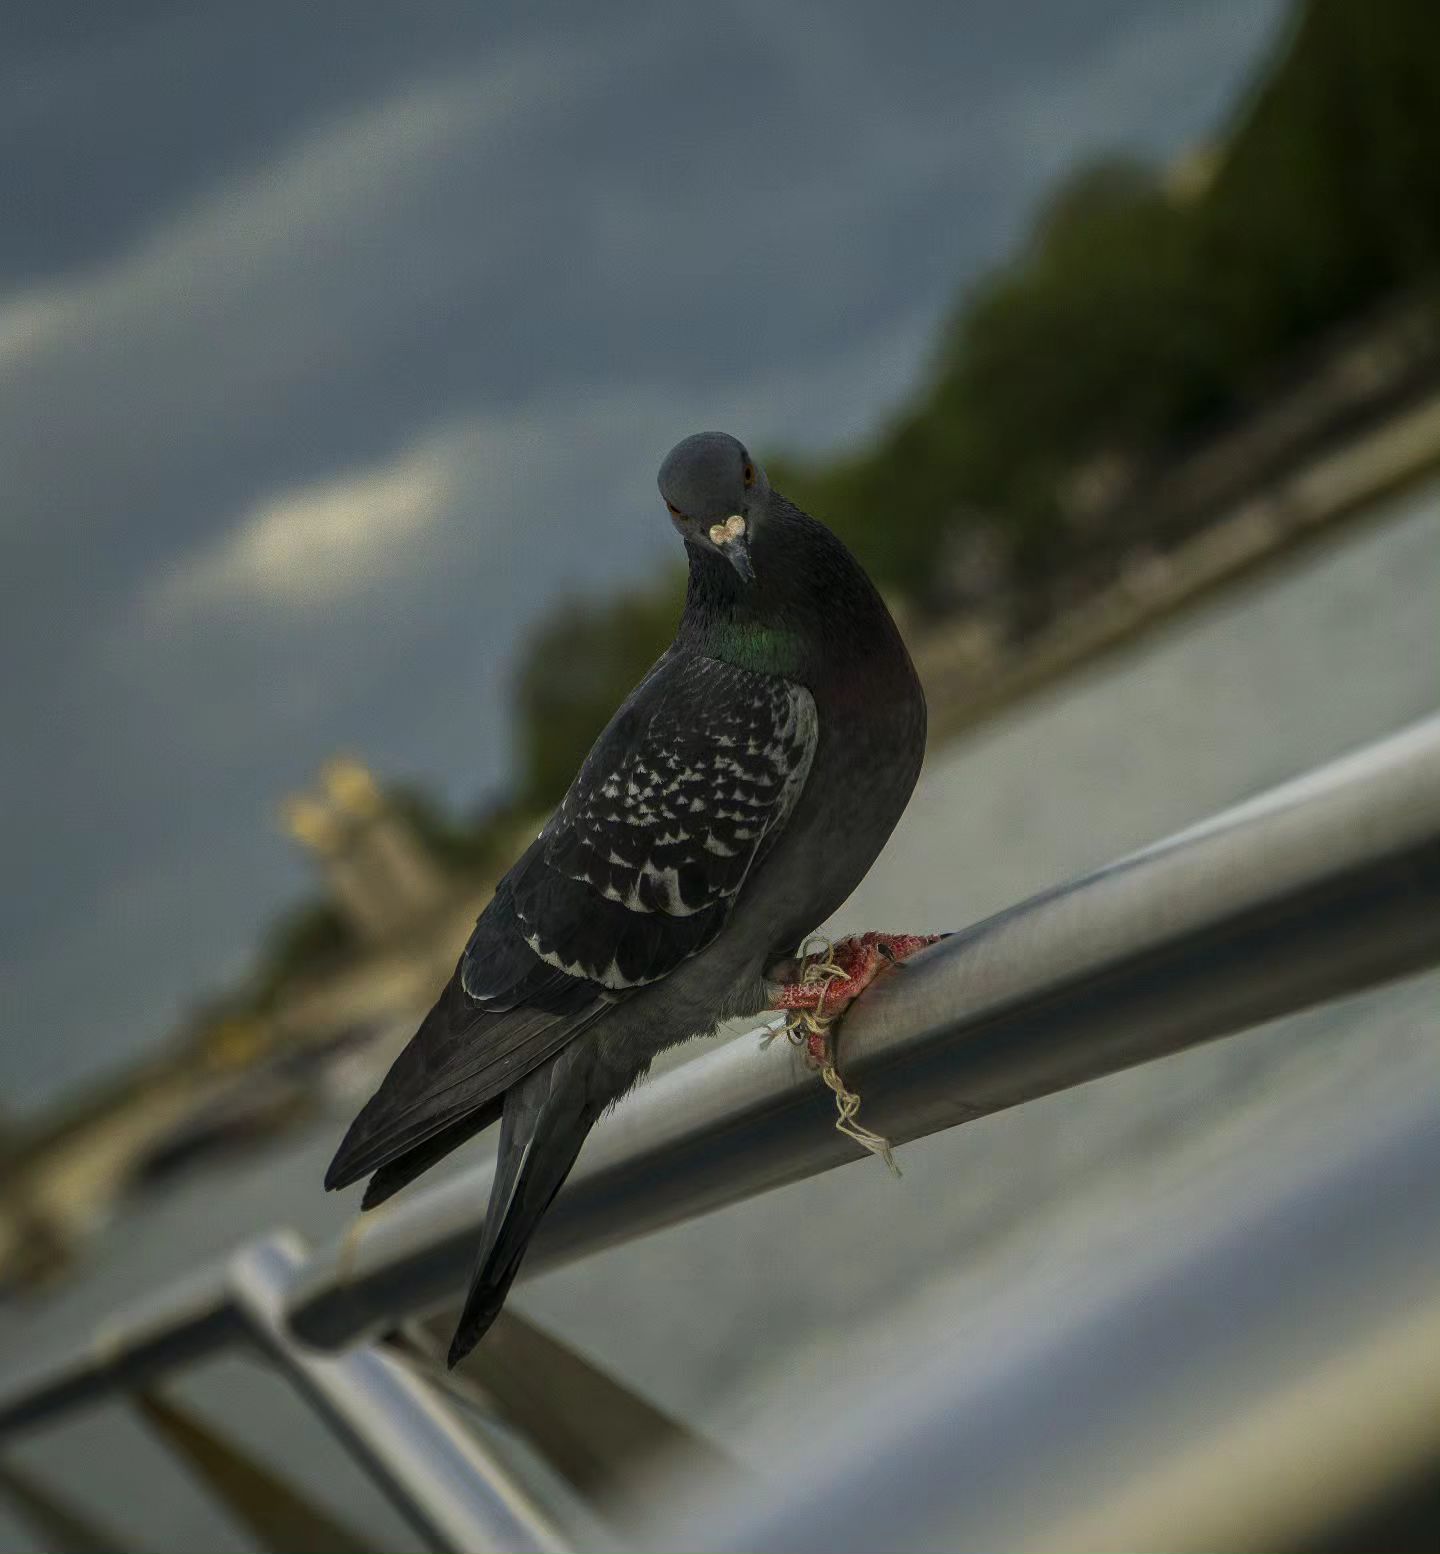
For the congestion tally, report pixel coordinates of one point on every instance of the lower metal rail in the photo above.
(437, 1472)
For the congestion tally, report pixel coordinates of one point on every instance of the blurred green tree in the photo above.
(309, 938)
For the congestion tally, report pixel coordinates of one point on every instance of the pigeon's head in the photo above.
(715, 493)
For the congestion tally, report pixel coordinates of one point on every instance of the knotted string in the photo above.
(810, 1029)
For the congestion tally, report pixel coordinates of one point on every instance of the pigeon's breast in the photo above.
(869, 749)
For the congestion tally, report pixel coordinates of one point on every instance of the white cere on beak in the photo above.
(731, 529)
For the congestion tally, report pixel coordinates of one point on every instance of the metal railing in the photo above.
(1264, 1374)
(1324, 886)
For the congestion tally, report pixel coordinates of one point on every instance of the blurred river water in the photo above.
(737, 1322)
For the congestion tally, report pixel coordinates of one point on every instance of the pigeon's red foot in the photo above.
(827, 988)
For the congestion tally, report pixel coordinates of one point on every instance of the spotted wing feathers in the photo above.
(682, 793)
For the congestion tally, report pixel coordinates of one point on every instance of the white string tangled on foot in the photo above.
(810, 1029)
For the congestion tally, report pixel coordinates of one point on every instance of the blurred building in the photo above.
(379, 872)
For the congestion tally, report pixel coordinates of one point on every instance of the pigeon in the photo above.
(730, 806)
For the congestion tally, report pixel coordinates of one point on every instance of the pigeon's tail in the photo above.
(546, 1119)
(400, 1172)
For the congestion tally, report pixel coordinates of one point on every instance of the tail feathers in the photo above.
(389, 1179)
(457, 1065)
(538, 1146)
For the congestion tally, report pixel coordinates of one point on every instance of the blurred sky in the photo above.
(338, 340)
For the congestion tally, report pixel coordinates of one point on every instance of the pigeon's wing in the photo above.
(446, 1084)
(640, 866)
(637, 870)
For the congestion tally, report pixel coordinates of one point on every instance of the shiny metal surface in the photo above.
(186, 1322)
(438, 1473)
(1266, 1379)
(1321, 887)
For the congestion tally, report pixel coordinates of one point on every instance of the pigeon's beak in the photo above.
(732, 540)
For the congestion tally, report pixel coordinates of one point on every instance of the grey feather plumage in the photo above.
(730, 806)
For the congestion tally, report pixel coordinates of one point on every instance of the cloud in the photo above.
(155, 391)
(314, 542)
(28, 324)
(288, 218)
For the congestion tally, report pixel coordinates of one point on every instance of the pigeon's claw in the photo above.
(829, 984)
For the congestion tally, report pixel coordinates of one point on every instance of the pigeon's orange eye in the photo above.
(674, 511)
(749, 474)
